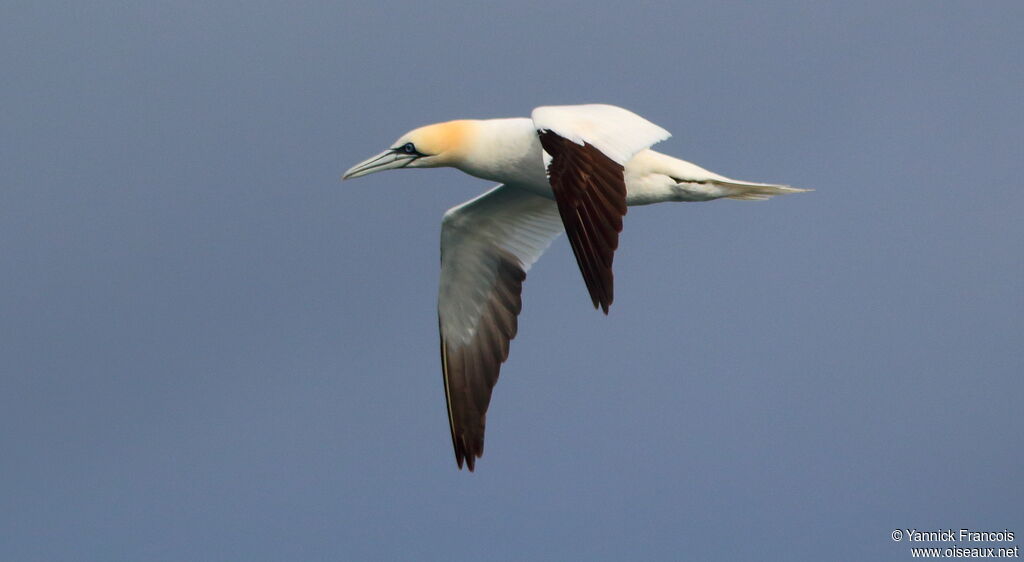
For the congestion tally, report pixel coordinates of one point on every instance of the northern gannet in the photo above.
(574, 167)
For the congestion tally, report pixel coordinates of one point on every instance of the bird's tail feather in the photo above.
(755, 191)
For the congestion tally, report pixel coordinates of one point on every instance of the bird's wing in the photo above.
(586, 148)
(487, 246)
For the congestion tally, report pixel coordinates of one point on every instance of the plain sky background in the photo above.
(211, 349)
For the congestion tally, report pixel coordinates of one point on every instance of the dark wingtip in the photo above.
(466, 457)
(600, 304)
(469, 460)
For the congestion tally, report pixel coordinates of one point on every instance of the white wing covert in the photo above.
(618, 133)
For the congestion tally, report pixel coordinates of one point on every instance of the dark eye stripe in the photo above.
(408, 148)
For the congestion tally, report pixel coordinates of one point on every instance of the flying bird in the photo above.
(574, 168)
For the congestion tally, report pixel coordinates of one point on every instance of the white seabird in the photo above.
(572, 167)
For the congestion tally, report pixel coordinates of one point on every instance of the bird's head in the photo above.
(441, 144)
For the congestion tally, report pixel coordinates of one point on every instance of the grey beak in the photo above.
(387, 160)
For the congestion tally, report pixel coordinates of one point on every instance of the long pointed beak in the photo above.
(387, 160)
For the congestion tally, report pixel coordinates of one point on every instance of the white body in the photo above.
(508, 151)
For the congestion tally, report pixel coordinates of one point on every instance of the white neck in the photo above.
(503, 150)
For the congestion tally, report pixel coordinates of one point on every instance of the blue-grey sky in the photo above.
(211, 349)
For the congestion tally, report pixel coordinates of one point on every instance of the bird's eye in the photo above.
(409, 148)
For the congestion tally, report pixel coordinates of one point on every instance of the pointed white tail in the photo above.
(755, 191)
